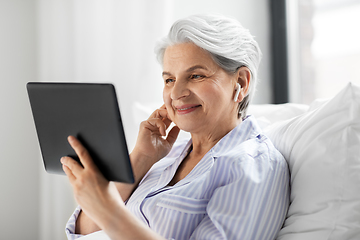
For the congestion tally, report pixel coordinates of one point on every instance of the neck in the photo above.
(203, 142)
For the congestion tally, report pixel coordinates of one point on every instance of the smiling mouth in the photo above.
(187, 109)
(183, 109)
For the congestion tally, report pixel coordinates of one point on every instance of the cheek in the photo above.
(216, 98)
(209, 94)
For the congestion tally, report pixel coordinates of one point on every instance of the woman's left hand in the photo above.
(97, 197)
(100, 199)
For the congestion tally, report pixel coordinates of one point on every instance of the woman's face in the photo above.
(198, 94)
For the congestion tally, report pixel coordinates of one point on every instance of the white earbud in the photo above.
(237, 91)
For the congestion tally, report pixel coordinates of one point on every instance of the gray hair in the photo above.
(230, 45)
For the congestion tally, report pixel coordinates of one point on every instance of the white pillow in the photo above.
(267, 114)
(322, 147)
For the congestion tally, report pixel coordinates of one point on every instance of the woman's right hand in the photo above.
(151, 146)
(152, 143)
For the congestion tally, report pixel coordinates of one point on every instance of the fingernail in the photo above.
(62, 160)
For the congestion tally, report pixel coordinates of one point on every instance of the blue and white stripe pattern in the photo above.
(239, 190)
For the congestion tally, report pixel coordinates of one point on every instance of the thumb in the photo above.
(172, 136)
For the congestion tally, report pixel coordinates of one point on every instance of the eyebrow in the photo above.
(188, 70)
(196, 67)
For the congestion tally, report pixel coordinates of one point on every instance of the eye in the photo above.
(197, 76)
(169, 80)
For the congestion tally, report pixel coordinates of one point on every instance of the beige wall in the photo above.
(19, 157)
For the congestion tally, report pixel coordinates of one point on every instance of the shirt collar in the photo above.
(246, 130)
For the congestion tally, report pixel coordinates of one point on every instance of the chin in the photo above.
(186, 127)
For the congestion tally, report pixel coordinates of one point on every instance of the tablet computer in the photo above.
(88, 111)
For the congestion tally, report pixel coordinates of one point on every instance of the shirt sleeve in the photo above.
(251, 206)
(70, 225)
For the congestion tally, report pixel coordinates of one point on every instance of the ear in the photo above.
(243, 76)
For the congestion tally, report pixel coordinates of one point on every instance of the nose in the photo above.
(179, 90)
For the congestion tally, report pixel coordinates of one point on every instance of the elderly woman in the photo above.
(226, 182)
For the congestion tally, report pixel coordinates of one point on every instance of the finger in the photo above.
(160, 113)
(163, 115)
(166, 119)
(73, 165)
(167, 122)
(81, 152)
(156, 125)
(69, 173)
(173, 134)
